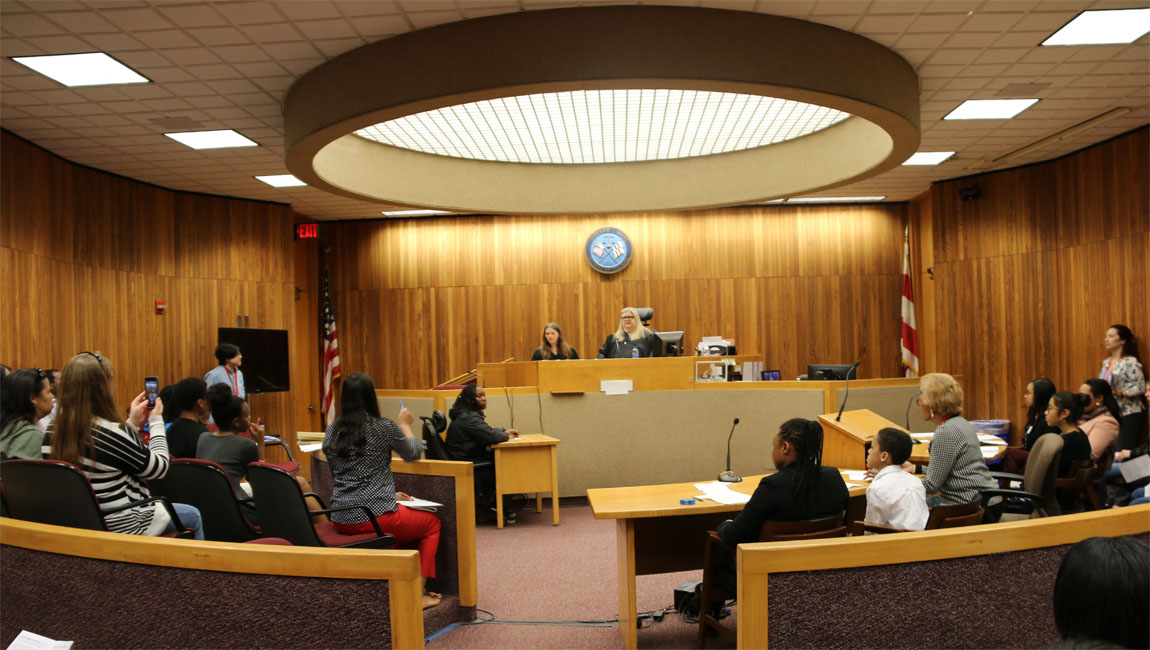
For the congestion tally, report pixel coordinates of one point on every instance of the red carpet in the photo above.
(533, 571)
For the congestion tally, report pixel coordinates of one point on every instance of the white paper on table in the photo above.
(987, 439)
(616, 386)
(1135, 468)
(923, 436)
(308, 448)
(989, 452)
(851, 485)
(722, 493)
(30, 641)
(420, 504)
(855, 475)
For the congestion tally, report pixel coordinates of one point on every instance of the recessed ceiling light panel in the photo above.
(88, 69)
(412, 213)
(604, 126)
(1104, 27)
(212, 139)
(989, 109)
(281, 180)
(928, 158)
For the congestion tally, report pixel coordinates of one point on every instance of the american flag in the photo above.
(909, 334)
(618, 249)
(330, 353)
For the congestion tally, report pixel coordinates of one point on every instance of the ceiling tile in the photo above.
(954, 56)
(295, 51)
(938, 23)
(326, 29)
(197, 15)
(359, 8)
(338, 46)
(379, 26)
(311, 10)
(425, 19)
(83, 22)
(135, 20)
(275, 32)
(248, 13)
(28, 25)
(166, 39)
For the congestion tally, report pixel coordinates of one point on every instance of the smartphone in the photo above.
(151, 390)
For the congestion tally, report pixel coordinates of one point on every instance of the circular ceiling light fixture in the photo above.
(602, 109)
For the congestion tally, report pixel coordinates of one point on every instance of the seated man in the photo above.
(469, 438)
(894, 498)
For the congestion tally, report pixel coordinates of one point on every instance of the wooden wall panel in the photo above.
(420, 301)
(1030, 275)
(85, 254)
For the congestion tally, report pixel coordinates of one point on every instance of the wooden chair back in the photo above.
(789, 531)
(965, 514)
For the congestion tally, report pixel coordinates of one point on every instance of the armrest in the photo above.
(318, 499)
(713, 538)
(181, 530)
(366, 512)
(280, 443)
(1021, 494)
(861, 527)
(1005, 476)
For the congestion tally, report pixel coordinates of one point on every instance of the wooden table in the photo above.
(527, 464)
(845, 442)
(655, 534)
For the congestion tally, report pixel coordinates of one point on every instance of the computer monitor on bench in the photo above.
(831, 371)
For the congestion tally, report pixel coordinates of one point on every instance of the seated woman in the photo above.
(25, 397)
(469, 438)
(1064, 412)
(231, 450)
(358, 446)
(89, 432)
(554, 347)
(1101, 416)
(1037, 396)
(957, 471)
(803, 488)
(630, 340)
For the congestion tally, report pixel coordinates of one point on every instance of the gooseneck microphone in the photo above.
(847, 392)
(728, 476)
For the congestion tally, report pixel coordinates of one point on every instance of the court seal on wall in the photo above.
(608, 250)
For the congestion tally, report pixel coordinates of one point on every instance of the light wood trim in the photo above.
(529, 440)
(756, 561)
(466, 547)
(625, 567)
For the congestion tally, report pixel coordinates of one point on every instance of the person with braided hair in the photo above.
(801, 489)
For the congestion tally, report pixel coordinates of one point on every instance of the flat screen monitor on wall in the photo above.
(265, 353)
(831, 371)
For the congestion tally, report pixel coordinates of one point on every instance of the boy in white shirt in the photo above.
(895, 497)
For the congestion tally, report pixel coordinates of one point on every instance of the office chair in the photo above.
(715, 592)
(58, 493)
(207, 486)
(1039, 481)
(283, 513)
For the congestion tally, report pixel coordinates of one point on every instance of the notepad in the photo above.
(722, 493)
(420, 504)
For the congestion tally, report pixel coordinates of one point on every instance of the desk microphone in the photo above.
(847, 392)
(728, 476)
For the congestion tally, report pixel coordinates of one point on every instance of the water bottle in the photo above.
(634, 352)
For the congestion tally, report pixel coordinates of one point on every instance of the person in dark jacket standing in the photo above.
(469, 438)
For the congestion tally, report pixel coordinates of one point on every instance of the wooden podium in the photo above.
(845, 442)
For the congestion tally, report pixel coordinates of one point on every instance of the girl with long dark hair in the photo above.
(1123, 369)
(554, 345)
(1100, 417)
(469, 438)
(1064, 411)
(1036, 398)
(25, 397)
(358, 447)
(802, 488)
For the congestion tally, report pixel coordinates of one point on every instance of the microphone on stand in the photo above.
(847, 392)
(728, 476)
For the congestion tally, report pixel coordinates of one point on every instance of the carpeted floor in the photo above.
(549, 575)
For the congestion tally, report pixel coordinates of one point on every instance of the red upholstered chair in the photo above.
(58, 493)
(291, 465)
(283, 513)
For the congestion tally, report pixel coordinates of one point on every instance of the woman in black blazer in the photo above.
(630, 336)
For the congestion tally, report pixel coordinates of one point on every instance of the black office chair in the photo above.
(205, 485)
(58, 493)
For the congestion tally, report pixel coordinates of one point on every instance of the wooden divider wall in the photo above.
(1029, 276)
(420, 301)
(84, 255)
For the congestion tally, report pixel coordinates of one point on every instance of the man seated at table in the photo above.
(469, 438)
(894, 498)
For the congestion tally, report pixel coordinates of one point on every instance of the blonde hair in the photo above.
(85, 392)
(941, 393)
(640, 331)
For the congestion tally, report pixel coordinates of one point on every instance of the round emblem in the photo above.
(608, 250)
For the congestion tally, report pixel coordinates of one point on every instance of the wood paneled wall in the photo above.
(420, 301)
(1029, 276)
(85, 254)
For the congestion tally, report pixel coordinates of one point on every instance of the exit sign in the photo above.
(307, 231)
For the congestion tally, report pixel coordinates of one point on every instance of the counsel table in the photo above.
(527, 464)
(655, 534)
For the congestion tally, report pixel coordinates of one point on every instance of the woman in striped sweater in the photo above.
(89, 433)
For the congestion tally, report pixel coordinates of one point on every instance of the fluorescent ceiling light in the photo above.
(841, 199)
(90, 69)
(928, 157)
(281, 180)
(990, 109)
(211, 139)
(604, 126)
(1104, 27)
(412, 213)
